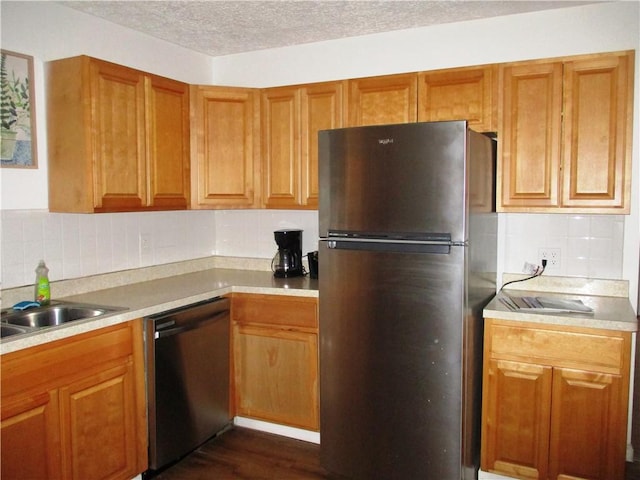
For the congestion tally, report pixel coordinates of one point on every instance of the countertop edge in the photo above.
(257, 282)
(610, 313)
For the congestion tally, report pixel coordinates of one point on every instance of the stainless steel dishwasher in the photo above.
(187, 378)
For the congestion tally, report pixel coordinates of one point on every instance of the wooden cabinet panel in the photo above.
(516, 417)
(99, 428)
(275, 358)
(168, 151)
(555, 401)
(31, 438)
(383, 100)
(565, 134)
(277, 376)
(594, 349)
(589, 428)
(117, 95)
(226, 144)
(276, 310)
(530, 118)
(76, 407)
(281, 147)
(117, 138)
(460, 94)
(596, 131)
(291, 119)
(321, 109)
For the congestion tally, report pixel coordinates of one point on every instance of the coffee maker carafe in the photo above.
(287, 261)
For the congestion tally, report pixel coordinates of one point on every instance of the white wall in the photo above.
(577, 30)
(56, 32)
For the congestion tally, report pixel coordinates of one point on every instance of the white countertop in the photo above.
(609, 312)
(154, 296)
(609, 299)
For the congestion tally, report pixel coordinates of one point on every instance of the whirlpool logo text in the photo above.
(385, 141)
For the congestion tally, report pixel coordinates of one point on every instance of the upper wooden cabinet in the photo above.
(383, 100)
(167, 129)
(597, 131)
(530, 117)
(460, 94)
(225, 136)
(281, 147)
(291, 119)
(564, 141)
(118, 138)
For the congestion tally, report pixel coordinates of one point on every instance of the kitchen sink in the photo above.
(54, 314)
(8, 330)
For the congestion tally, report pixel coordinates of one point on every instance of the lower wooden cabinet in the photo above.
(30, 436)
(76, 408)
(555, 401)
(275, 341)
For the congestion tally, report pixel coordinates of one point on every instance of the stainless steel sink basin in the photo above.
(54, 314)
(8, 330)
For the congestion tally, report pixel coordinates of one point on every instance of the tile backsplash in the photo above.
(75, 245)
(587, 245)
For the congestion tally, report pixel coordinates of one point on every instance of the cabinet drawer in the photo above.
(275, 310)
(49, 363)
(597, 350)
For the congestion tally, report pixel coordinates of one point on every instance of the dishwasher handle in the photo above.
(189, 326)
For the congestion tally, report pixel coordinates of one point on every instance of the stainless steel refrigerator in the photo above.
(407, 261)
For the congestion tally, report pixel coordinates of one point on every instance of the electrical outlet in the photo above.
(552, 256)
(145, 243)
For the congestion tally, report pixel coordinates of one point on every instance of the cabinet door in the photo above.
(76, 407)
(516, 414)
(225, 139)
(281, 147)
(276, 375)
(383, 100)
(588, 426)
(530, 115)
(30, 438)
(98, 426)
(168, 148)
(321, 109)
(597, 123)
(118, 98)
(460, 94)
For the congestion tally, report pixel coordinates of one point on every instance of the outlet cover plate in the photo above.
(552, 256)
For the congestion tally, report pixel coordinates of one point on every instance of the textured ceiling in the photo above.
(225, 27)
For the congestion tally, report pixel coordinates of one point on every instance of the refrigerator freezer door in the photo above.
(396, 400)
(394, 180)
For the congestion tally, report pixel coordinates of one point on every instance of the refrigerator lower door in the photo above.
(399, 375)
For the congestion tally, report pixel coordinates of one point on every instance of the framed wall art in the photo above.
(17, 113)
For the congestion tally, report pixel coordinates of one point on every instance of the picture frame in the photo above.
(17, 111)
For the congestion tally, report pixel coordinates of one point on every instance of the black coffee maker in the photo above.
(287, 261)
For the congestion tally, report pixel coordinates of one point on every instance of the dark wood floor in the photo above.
(248, 454)
(251, 455)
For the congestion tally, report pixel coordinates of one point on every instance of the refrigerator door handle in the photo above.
(402, 246)
(333, 240)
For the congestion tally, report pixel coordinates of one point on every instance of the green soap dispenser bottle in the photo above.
(43, 289)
